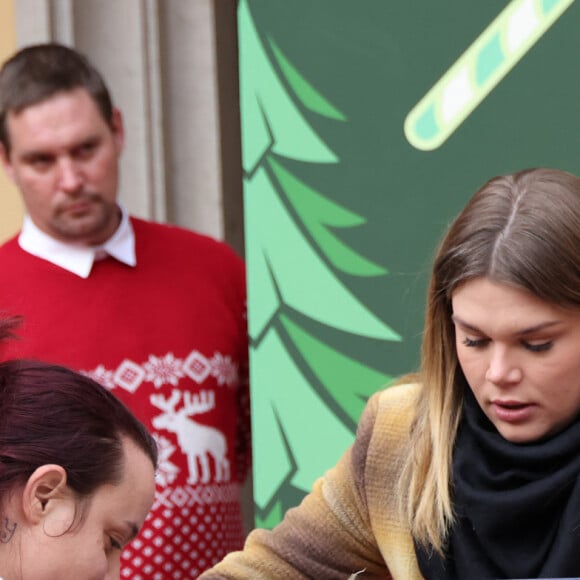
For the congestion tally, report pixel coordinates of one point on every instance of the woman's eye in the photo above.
(539, 347)
(474, 342)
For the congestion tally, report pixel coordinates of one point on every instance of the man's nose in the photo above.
(70, 177)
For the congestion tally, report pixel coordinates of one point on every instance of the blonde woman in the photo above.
(470, 469)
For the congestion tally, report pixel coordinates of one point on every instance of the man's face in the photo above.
(64, 158)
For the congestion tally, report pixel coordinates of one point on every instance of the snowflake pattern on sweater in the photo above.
(163, 370)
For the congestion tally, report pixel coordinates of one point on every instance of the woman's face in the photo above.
(520, 356)
(92, 550)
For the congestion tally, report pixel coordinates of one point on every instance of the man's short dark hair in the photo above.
(38, 72)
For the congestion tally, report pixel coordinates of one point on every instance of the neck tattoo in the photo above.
(7, 530)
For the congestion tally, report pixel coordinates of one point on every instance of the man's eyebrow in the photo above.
(36, 154)
(522, 332)
(134, 529)
(42, 153)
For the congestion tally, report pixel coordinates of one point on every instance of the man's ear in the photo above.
(47, 500)
(118, 129)
(5, 159)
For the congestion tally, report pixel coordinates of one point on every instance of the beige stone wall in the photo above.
(10, 204)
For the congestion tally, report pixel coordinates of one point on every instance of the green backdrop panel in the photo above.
(365, 128)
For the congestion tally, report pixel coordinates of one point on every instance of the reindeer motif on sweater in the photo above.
(198, 442)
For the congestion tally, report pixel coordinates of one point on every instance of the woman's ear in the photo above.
(48, 501)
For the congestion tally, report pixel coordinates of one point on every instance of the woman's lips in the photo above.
(512, 411)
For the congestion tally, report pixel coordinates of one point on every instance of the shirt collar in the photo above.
(77, 258)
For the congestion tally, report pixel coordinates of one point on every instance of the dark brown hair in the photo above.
(38, 72)
(51, 414)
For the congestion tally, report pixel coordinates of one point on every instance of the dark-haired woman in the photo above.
(76, 474)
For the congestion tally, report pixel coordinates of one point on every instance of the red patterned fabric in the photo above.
(169, 338)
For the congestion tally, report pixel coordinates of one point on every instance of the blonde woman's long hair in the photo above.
(521, 229)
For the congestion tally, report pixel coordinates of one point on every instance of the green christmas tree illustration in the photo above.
(307, 394)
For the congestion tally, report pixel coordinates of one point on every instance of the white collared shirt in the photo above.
(77, 258)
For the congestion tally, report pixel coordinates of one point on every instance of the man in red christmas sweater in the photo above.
(155, 313)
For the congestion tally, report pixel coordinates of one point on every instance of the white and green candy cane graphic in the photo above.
(479, 69)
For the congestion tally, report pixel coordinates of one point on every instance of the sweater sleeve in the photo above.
(328, 536)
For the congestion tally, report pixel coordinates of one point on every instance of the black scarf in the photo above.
(517, 505)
